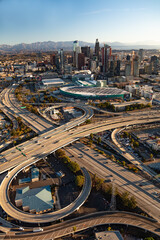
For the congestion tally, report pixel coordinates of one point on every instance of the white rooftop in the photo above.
(52, 81)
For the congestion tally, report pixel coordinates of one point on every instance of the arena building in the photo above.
(94, 93)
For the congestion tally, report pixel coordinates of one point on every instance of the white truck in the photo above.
(37, 229)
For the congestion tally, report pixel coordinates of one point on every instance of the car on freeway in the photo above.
(37, 229)
(156, 193)
(108, 180)
(140, 184)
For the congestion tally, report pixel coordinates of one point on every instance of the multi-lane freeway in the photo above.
(37, 123)
(53, 139)
(61, 136)
(145, 192)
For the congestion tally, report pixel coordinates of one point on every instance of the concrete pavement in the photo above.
(123, 178)
(91, 220)
(46, 217)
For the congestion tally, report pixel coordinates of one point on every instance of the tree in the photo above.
(66, 159)
(149, 238)
(151, 155)
(90, 142)
(123, 163)
(19, 120)
(109, 228)
(136, 144)
(28, 135)
(132, 203)
(98, 183)
(74, 167)
(113, 108)
(88, 121)
(60, 153)
(126, 134)
(125, 198)
(112, 157)
(99, 140)
(13, 132)
(91, 136)
(74, 229)
(79, 180)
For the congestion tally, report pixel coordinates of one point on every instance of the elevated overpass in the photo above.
(91, 221)
(49, 142)
(37, 123)
(16, 213)
(36, 152)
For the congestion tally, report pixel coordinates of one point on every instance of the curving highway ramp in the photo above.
(90, 221)
(14, 212)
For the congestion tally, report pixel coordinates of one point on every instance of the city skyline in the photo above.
(79, 119)
(126, 22)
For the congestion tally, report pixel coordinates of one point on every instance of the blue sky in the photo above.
(66, 20)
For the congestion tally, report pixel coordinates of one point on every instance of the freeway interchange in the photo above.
(50, 139)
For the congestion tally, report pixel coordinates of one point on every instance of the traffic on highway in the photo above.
(50, 139)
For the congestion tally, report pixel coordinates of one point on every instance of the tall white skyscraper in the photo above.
(75, 44)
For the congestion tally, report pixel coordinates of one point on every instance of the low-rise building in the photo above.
(34, 174)
(55, 82)
(141, 91)
(121, 106)
(101, 83)
(108, 235)
(36, 200)
(154, 144)
(156, 99)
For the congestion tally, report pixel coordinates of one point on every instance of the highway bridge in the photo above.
(11, 210)
(37, 123)
(53, 139)
(90, 221)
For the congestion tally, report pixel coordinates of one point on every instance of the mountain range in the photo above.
(68, 45)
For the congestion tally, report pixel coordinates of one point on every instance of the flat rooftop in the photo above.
(52, 81)
(38, 199)
(124, 104)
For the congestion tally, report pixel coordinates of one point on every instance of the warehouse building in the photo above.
(36, 200)
(56, 82)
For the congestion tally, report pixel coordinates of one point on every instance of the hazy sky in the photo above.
(66, 20)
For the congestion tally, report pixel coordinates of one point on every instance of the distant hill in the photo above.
(67, 45)
(42, 46)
